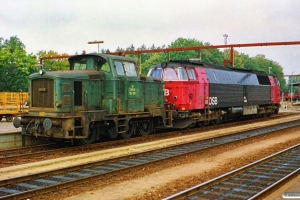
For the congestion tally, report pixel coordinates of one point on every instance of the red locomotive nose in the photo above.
(186, 88)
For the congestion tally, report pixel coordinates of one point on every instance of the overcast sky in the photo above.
(66, 26)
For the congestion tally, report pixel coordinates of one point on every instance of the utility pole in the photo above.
(96, 42)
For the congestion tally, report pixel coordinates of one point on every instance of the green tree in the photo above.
(184, 55)
(15, 65)
(260, 63)
(54, 64)
(153, 60)
(212, 56)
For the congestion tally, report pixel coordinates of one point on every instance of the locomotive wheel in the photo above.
(127, 134)
(91, 138)
(112, 133)
(145, 128)
(9, 118)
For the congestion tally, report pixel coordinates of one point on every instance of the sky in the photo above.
(66, 26)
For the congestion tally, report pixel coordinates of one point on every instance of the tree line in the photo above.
(16, 64)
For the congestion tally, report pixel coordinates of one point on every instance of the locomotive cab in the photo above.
(179, 91)
(182, 91)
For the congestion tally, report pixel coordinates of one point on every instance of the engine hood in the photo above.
(74, 74)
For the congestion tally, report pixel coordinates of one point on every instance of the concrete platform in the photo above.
(7, 127)
(11, 137)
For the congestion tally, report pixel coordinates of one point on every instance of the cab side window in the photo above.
(130, 69)
(125, 68)
(182, 73)
(191, 74)
(119, 68)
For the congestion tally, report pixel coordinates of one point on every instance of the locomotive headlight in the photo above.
(26, 102)
(42, 72)
(58, 104)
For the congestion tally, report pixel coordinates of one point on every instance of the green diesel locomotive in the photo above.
(101, 95)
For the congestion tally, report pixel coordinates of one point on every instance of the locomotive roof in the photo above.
(185, 63)
(105, 56)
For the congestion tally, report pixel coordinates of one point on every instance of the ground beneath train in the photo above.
(175, 175)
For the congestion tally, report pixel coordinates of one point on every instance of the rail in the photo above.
(45, 182)
(248, 182)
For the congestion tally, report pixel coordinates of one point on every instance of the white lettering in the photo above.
(166, 92)
(213, 100)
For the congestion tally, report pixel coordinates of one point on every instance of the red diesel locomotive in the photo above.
(209, 93)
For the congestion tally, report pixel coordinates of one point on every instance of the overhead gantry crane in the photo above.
(195, 48)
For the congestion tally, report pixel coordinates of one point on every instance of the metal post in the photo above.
(225, 42)
(292, 88)
(199, 55)
(96, 42)
(231, 57)
(139, 64)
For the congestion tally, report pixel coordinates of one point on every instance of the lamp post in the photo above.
(96, 42)
(270, 69)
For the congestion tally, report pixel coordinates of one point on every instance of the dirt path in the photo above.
(170, 178)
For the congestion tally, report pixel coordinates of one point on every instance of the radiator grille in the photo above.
(42, 93)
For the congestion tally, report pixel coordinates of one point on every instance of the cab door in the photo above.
(202, 89)
(130, 88)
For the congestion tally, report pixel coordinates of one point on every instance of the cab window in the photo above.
(182, 73)
(105, 67)
(170, 74)
(119, 68)
(130, 69)
(80, 64)
(191, 74)
(125, 68)
(155, 72)
(90, 63)
(101, 64)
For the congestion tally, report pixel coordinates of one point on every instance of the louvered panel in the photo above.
(43, 93)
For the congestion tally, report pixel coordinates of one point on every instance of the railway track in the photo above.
(252, 181)
(38, 184)
(9, 157)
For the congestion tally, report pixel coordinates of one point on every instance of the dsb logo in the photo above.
(166, 92)
(213, 100)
